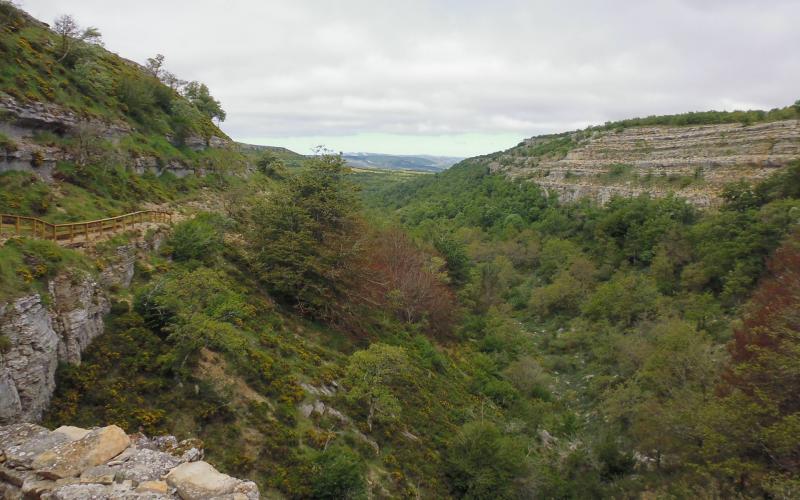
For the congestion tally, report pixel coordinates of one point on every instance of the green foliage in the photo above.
(482, 463)
(369, 378)
(625, 300)
(707, 118)
(271, 165)
(338, 474)
(199, 238)
(301, 237)
(198, 94)
(30, 263)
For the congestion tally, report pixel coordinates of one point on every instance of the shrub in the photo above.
(483, 463)
(338, 474)
(198, 239)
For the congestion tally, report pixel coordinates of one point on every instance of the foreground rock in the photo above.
(105, 463)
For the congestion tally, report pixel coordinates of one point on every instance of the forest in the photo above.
(483, 339)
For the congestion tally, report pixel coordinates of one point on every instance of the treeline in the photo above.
(708, 118)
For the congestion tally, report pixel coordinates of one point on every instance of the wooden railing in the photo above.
(36, 228)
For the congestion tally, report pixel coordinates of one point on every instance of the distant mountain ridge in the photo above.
(423, 163)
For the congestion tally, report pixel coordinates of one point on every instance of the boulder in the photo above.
(145, 465)
(74, 433)
(200, 480)
(153, 487)
(21, 455)
(70, 459)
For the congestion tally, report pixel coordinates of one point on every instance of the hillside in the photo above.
(423, 163)
(65, 103)
(693, 155)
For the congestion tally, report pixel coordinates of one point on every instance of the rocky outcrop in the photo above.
(41, 335)
(694, 162)
(35, 115)
(105, 463)
(43, 331)
(118, 271)
(21, 120)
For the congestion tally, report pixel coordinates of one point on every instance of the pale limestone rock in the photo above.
(717, 153)
(153, 487)
(40, 337)
(79, 306)
(74, 433)
(145, 465)
(28, 366)
(70, 459)
(135, 473)
(100, 474)
(200, 480)
(22, 455)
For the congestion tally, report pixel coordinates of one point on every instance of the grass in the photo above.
(27, 264)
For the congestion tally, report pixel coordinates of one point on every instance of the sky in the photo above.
(454, 77)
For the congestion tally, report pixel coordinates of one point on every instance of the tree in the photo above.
(751, 436)
(71, 33)
(302, 238)
(200, 238)
(369, 378)
(199, 95)
(270, 165)
(400, 277)
(675, 372)
(481, 463)
(154, 65)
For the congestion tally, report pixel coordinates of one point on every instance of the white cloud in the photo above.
(394, 73)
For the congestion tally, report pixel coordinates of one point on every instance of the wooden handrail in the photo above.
(37, 228)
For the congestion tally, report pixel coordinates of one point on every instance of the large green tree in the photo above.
(302, 237)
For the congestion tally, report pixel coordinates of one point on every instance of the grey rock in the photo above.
(42, 336)
(22, 455)
(30, 362)
(145, 465)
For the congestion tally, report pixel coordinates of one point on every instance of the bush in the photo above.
(481, 463)
(199, 239)
(338, 474)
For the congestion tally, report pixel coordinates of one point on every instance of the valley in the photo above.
(603, 313)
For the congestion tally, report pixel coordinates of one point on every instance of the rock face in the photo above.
(20, 120)
(105, 463)
(694, 162)
(40, 336)
(42, 333)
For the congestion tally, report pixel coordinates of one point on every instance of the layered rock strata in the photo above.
(694, 162)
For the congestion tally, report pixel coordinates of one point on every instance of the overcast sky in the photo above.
(454, 77)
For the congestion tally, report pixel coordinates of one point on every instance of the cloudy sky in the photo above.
(454, 77)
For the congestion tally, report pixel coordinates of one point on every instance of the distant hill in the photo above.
(289, 157)
(280, 151)
(423, 163)
(693, 155)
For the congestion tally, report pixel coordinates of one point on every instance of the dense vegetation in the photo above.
(426, 336)
(617, 377)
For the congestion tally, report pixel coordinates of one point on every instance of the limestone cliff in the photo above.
(41, 331)
(39, 336)
(21, 121)
(694, 162)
